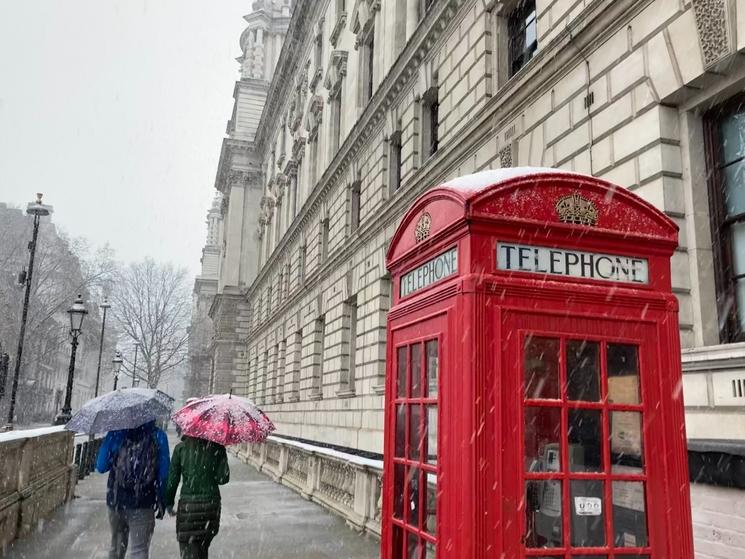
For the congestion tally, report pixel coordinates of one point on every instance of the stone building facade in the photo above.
(372, 102)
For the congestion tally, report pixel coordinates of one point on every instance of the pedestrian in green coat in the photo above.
(200, 466)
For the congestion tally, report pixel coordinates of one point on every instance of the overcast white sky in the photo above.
(115, 110)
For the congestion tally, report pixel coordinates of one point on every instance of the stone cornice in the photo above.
(229, 147)
(341, 21)
(591, 28)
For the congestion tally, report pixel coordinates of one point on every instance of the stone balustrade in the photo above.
(36, 476)
(348, 485)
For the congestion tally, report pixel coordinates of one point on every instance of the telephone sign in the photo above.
(532, 375)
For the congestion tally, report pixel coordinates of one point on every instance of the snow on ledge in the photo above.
(478, 181)
(351, 458)
(30, 433)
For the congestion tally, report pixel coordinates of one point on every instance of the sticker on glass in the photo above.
(588, 506)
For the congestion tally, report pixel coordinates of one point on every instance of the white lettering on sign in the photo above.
(588, 506)
(440, 267)
(572, 263)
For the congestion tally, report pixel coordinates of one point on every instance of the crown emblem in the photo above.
(574, 208)
(422, 227)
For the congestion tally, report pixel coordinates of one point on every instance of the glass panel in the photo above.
(398, 541)
(415, 431)
(432, 434)
(740, 294)
(623, 374)
(413, 547)
(430, 519)
(432, 367)
(401, 376)
(398, 491)
(416, 371)
(414, 501)
(588, 512)
(400, 430)
(585, 441)
(734, 188)
(626, 448)
(738, 246)
(583, 371)
(543, 514)
(542, 431)
(429, 550)
(733, 137)
(541, 368)
(629, 514)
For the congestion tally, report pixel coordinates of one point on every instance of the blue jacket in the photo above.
(110, 447)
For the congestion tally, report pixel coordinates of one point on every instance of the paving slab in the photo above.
(260, 520)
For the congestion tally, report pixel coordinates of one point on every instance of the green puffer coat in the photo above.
(200, 466)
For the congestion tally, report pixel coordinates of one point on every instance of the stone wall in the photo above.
(718, 521)
(36, 476)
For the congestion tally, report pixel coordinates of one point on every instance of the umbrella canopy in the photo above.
(224, 419)
(125, 408)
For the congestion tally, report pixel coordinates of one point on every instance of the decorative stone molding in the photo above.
(363, 18)
(239, 177)
(341, 21)
(291, 168)
(336, 72)
(314, 117)
(298, 148)
(713, 29)
(317, 75)
(337, 482)
(297, 106)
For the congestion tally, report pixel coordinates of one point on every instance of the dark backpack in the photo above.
(135, 468)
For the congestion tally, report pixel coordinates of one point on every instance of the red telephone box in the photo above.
(533, 397)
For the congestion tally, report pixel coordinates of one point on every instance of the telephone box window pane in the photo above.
(400, 430)
(414, 499)
(401, 373)
(543, 514)
(623, 374)
(430, 521)
(587, 521)
(542, 432)
(626, 448)
(415, 431)
(583, 371)
(431, 434)
(398, 491)
(585, 441)
(414, 547)
(541, 368)
(416, 371)
(629, 514)
(429, 551)
(432, 367)
(398, 541)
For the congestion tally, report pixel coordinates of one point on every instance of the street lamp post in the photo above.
(135, 378)
(105, 306)
(116, 363)
(36, 209)
(77, 312)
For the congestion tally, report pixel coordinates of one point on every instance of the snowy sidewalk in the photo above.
(260, 520)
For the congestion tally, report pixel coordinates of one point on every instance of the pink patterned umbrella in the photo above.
(224, 419)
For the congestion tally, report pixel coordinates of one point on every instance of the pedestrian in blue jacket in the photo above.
(137, 461)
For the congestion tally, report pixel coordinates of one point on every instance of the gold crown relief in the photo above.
(574, 208)
(423, 226)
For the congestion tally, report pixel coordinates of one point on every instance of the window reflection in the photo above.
(541, 368)
(416, 371)
(432, 367)
(400, 430)
(629, 514)
(401, 373)
(398, 491)
(583, 370)
(626, 439)
(623, 374)
(415, 431)
(430, 522)
(431, 436)
(414, 500)
(542, 429)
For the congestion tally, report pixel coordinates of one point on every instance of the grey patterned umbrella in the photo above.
(125, 408)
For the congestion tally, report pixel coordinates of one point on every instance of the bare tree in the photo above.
(152, 304)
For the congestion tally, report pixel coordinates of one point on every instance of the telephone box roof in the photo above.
(528, 196)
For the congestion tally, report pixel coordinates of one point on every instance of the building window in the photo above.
(399, 35)
(354, 205)
(394, 161)
(297, 345)
(368, 69)
(263, 393)
(726, 161)
(350, 315)
(324, 240)
(293, 196)
(523, 37)
(316, 389)
(268, 302)
(313, 164)
(430, 122)
(319, 50)
(335, 125)
(301, 264)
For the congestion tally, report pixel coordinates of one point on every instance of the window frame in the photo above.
(516, 26)
(720, 223)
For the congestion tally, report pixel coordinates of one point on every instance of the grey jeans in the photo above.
(136, 525)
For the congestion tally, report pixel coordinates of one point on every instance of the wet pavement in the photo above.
(260, 520)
